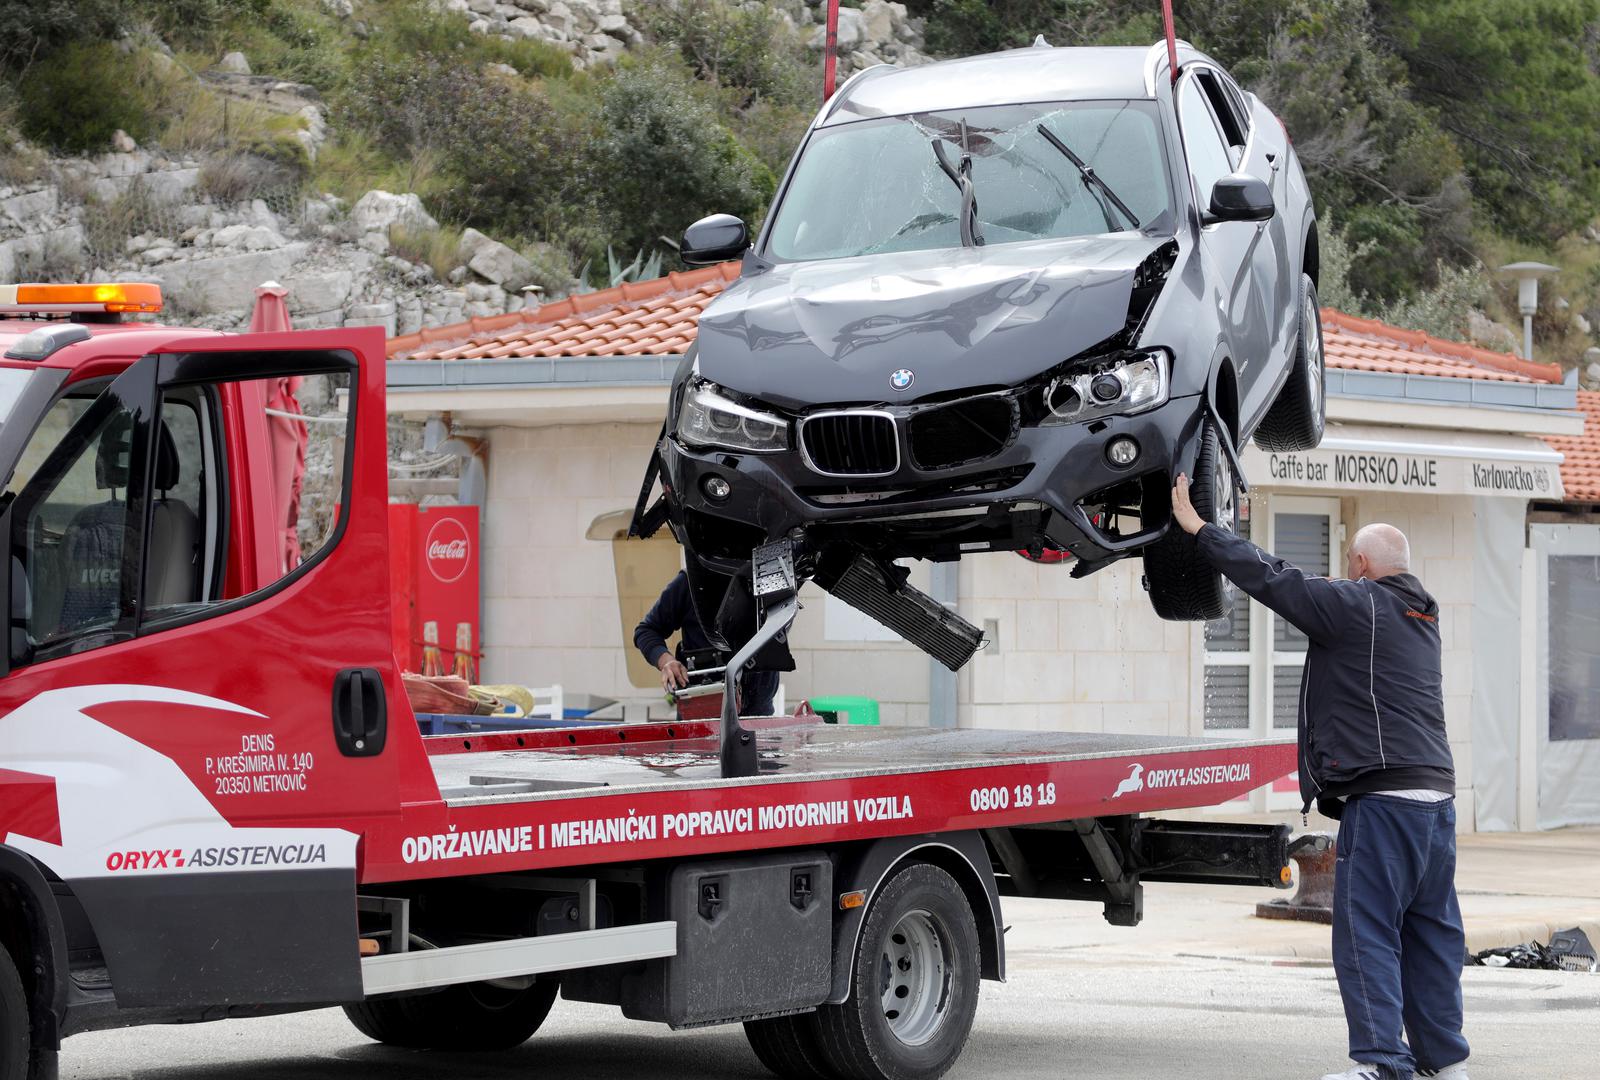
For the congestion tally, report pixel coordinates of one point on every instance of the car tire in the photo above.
(15, 1024)
(1183, 585)
(790, 1047)
(1296, 419)
(471, 1016)
(913, 984)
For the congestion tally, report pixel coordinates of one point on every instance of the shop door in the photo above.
(1568, 691)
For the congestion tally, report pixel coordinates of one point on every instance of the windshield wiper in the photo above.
(961, 176)
(1092, 181)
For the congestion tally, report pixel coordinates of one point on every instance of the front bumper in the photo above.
(1038, 483)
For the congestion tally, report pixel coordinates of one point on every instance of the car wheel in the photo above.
(1296, 419)
(1183, 586)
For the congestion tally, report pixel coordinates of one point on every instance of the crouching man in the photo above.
(1374, 755)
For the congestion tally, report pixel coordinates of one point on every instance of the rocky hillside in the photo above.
(277, 198)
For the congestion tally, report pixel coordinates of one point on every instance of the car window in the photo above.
(1227, 112)
(1208, 157)
(876, 186)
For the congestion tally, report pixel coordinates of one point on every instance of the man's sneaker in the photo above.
(1359, 1072)
(1458, 1071)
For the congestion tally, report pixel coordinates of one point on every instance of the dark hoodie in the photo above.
(1372, 696)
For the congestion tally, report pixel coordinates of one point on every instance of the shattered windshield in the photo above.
(877, 185)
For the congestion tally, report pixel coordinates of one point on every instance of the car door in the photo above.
(1229, 247)
(1259, 147)
(182, 731)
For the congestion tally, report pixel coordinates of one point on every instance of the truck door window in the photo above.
(276, 452)
(72, 526)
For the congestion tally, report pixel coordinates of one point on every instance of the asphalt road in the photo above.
(1086, 1013)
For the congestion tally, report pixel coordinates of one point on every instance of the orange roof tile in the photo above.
(1580, 472)
(1369, 345)
(659, 317)
(636, 318)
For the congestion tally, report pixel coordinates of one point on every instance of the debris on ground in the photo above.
(1569, 950)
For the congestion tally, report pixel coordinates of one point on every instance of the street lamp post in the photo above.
(1528, 275)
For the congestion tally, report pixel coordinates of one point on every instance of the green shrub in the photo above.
(503, 154)
(436, 249)
(742, 46)
(86, 91)
(666, 159)
(31, 29)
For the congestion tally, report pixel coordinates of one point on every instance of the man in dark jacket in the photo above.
(674, 611)
(1373, 754)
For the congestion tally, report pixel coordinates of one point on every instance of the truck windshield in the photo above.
(12, 380)
(876, 185)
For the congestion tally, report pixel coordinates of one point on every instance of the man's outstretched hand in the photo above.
(1183, 511)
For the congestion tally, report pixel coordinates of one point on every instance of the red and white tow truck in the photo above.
(215, 800)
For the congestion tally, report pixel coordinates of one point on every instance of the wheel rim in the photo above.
(915, 978)
(1313, 348)
(1223, 493)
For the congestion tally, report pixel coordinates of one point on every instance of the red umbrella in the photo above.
(271, 314)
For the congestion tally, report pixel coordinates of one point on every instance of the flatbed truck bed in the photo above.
(215, 799)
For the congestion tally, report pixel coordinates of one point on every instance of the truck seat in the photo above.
(92, 544)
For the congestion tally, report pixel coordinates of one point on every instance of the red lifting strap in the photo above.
(1172, 37)
(830, 51)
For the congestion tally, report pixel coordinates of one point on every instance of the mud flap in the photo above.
(882, 591)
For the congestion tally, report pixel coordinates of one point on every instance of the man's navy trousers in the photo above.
(1398, 945)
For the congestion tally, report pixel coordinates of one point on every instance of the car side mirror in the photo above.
(714, 239)
(1240, 197)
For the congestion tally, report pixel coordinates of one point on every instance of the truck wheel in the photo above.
(914, 983)
(15, 1027)
(790, 1047)
(472, 1016)
(1296, 419)
(1183, 586)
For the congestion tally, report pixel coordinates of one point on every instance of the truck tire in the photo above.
(790, 1047)
(472, 1016)
(1296, 419)
(15, 1026)
(1183, 586)
(913, 984)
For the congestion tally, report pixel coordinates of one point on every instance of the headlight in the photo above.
(709, 419)
(1122, 384)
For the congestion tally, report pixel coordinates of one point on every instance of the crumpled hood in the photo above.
(832, 331)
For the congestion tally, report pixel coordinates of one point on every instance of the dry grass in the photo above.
(434, 248)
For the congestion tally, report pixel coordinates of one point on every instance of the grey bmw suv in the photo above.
(998, 304)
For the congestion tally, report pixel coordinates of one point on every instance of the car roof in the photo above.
(1037, 73)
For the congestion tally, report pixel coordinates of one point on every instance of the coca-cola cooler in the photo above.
(434, 576)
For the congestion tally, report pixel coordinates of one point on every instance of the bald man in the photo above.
(1374, 755)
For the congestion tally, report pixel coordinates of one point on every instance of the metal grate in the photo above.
(962, 432)
(850, 443)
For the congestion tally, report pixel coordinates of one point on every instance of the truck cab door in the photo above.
(177, 641)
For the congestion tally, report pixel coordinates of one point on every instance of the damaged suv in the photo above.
(997, 305)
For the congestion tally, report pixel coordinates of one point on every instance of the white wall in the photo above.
(550, 596)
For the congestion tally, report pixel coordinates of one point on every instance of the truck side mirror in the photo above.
(1240, 197)
(714, 239)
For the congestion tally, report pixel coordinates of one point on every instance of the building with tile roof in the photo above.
(1452, 443)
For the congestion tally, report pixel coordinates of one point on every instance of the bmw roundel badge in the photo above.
(902, 379)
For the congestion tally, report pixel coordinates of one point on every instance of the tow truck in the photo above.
(215, 800)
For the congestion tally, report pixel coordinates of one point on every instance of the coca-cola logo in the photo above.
(446, 550)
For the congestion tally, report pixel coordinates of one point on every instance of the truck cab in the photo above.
(154, 543)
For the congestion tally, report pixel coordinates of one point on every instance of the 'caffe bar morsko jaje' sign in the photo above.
(1381, 470)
